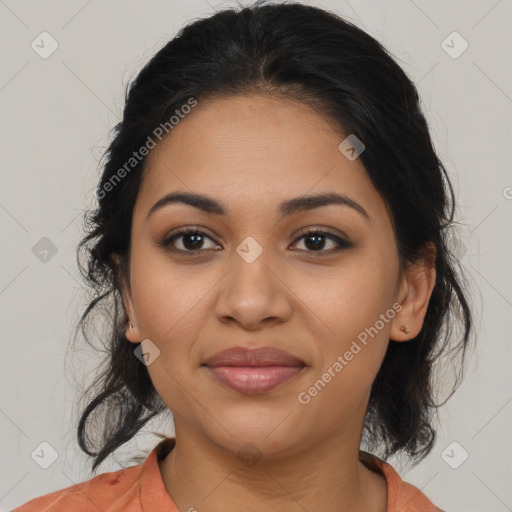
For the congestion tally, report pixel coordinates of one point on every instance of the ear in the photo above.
(414, 295)
(132, 335)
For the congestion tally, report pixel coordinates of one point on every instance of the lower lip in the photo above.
(254, 379)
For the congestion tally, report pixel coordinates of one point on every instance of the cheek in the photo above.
(167, 296)
(352, 296)
(355, 306)
(349, 352)
(168, 309)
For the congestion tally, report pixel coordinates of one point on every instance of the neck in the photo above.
(201, 475)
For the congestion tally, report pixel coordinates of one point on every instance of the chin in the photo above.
(256, 435)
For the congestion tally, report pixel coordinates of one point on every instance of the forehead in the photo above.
(253, 152)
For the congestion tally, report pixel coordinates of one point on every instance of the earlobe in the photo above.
(132, 334)
(417, 286)
(401, 329)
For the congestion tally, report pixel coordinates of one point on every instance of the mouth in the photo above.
(253, 371)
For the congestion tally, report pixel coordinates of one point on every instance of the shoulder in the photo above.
(98, 493)
(402, 496)
(411, 499)
(132, 489)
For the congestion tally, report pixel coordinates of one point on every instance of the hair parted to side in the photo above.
(318, 58)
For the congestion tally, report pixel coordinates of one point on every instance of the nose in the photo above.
(254, 293)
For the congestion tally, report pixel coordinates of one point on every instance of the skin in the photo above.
(251, 153)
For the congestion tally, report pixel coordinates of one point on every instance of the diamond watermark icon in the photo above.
(44, 455)
(249, 454)
(456, 246)
(454, 455)
(44, 45)
(454, 45)
(44, 250)
(352, 147)
(147, 352)
(249, 249)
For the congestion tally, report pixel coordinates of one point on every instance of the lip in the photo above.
(264, 356)
(252, 371)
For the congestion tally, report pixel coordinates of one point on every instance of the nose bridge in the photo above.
(252, 291)
(253, 264)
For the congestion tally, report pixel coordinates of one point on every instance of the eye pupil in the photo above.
(318, 241)
(193, 245)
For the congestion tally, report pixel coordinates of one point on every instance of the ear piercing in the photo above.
(131, 326)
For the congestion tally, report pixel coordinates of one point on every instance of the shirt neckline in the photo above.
(393, 479)
(153, 494)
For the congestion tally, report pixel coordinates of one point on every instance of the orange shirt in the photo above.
(140, 489)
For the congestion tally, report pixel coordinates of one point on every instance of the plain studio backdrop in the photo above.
(60, 98)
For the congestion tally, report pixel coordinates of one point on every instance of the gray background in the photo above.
(56, 115)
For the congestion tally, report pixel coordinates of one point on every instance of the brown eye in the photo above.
(315, 241)
(193, 240)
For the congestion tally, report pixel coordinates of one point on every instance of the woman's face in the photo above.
(251, 279)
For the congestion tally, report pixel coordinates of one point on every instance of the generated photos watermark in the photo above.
(159, 133)
(305, 397)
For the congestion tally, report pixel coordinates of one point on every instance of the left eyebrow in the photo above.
(286, 208)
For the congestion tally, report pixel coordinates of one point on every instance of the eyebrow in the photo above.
(286, 208)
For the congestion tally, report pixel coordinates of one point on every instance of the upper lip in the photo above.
(264, 356)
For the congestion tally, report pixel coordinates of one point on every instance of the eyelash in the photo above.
(341, 244)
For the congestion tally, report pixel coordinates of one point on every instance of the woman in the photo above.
(271, 228)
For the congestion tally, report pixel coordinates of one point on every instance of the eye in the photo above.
(192, 240)
(315, 241)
